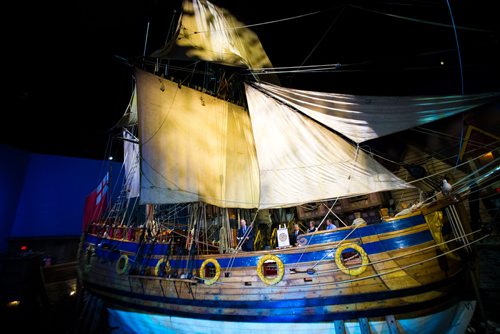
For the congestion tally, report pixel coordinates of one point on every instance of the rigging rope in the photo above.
(418, 20)
(349, 178)
(321, 39)
(328, 272)
(261, 23)
(461, 76)
(240, 243)
(403, 267)
(335, 248)
(457, 226)
(317, 228)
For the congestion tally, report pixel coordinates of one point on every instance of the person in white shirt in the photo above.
(358, 221)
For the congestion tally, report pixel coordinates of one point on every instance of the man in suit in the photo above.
(312, 227)
(295, 233)
(245, 233)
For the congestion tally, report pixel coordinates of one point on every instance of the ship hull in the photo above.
(407, 276)
(451, 320)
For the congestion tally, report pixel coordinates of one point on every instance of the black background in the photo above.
(66, 85)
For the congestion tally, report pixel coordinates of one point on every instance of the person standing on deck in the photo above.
(312, 227)
(245, 234)
(358, 221)
(330, 225)
(295, 233)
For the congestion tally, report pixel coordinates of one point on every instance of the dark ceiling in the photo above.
(67, 86)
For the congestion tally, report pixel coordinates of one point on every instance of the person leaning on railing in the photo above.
(330, 225)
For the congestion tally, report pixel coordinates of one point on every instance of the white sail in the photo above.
(194, 147)
(212, 34)
(129, 118)
(131, 164)
(301, 161)
(362, 118)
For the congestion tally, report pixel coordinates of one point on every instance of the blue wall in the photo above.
(44, 195)
(13, 164)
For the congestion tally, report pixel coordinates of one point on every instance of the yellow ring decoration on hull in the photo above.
(217, 271)
(158, 266)
(119, 269)
(279, 263)
(364, 259)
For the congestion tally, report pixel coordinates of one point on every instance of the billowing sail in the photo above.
(362, 118)
(212, 34)
(196, 147)
(302, 161)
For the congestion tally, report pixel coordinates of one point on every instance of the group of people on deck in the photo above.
(312, 228)
(246, 238)
(245, 235)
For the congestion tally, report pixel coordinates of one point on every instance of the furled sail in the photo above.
(195, 147)
(129, 118)
(302, 161)
(212, 34)
(362, 118)
(131, 164)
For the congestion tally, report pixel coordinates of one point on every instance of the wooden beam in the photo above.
(364, 326)
(339, 327)
(391, 323)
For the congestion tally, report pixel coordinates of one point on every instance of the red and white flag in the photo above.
(96, 202)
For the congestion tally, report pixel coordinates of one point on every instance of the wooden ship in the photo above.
(169, 255)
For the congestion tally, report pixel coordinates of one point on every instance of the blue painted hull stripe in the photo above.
(371, 248)
(294, 303)
(369, 230)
